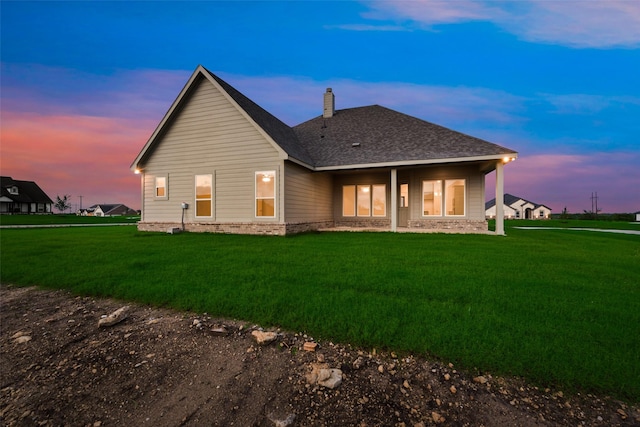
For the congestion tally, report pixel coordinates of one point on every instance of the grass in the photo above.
(59, 219)
(560, 309)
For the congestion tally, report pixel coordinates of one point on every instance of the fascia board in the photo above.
(418, 162)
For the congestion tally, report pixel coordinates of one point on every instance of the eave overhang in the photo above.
(489, 159)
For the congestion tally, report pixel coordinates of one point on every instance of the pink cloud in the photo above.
(567, 180)
(77, 155)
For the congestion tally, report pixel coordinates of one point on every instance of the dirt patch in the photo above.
(164, 368)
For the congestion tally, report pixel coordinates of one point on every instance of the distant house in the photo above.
(107, 210)
(218, 162)
(518, 208)
(23, 197)
(638, 216)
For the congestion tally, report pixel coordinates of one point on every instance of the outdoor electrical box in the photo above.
(185, 205)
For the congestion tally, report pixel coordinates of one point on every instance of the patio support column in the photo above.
(394, 200)
(500, 198)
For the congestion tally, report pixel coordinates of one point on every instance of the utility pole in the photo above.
(594, 203)
(80, 202)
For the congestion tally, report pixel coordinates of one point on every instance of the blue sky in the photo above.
(85, 83)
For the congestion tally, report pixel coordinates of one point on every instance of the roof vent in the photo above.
(329, 104)
(355, 144)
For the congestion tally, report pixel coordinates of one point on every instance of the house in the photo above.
(23, 197)
(516, 207)
(218, 162)
(107, 210)
(638, 216)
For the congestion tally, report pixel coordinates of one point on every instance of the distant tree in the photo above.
(564, 214)
(62, 203)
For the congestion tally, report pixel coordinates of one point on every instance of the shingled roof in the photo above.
(378, 135)
(280, 132)
(28, 191)
(360, 137)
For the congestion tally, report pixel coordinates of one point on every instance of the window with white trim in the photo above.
(161, 187)
(454, 193)
(204, 196)
(444, 198)
(364, 200)
(266, 194)
(432, 198)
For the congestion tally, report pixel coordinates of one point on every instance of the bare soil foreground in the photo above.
(164, 368)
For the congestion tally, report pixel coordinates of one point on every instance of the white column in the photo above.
(394, 200)
(500, 198)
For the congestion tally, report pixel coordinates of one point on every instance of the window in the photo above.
(454, 197)
(379, 199)
(404, 195)
(452, 194)
(266, 194)
(161, 187)
(432, 198)
(364, 200)
(349, 200)
(204, 196)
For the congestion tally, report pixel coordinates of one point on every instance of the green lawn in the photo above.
(58, 219)
(559, 308)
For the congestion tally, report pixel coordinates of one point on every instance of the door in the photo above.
(403, 206)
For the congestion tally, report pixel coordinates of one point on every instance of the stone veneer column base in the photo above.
(273, 229)
(450, 225)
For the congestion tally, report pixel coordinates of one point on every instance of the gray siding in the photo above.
(474, 191)
(361, 178)
(308, 195)
(210, 136)
(474, 209)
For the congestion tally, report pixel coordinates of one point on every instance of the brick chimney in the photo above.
(329, 104)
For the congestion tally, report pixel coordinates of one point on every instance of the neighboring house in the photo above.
(107, 210)
(23, 197)
(518, 208)
(218, 162)
(638, 216)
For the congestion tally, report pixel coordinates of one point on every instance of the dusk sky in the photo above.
(84, 84)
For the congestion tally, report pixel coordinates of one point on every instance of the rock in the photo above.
(22, 339)
(310, 346)
(114, 318)
(263, 338)
(282, 423)
(405, 384)
(453, 389)
(324, 376)
(380, 369)
(480, 379)
(332, 378)
(447, 377)
(358, 363)
(220, 332)
(437, 418)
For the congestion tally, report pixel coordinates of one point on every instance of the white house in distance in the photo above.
(518, 208)
(218, 162)
(107, 210)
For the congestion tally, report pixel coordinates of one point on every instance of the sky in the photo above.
(84, 84)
